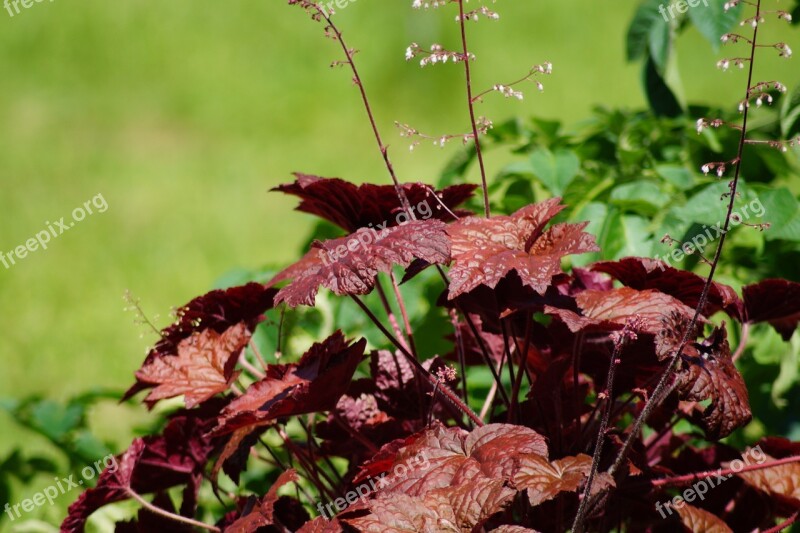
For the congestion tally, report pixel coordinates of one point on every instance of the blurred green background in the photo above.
(183, 114)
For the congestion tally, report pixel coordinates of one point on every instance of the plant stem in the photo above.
(577, 525)
(449, 394)
(691, 478)
(406, 322)
(783, 525)
(656, 396)
(461, 355)
(357, 80)
(166, 514)
(742, 341)
(471, 104)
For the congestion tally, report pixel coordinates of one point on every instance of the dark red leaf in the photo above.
(352, 207)
(203, 367)
(321, 525)
(153, 464)
(349, 265)
(217, 310)
(455, 509)
(610, 310)
(485, 250)
(642, 273)
(315, 383)
(446, 457)
(775, 301)
(707, 373)
(264, 513)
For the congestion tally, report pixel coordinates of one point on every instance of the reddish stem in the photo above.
(471, 104)
(656, 397)
(357, 79)
(687, 479)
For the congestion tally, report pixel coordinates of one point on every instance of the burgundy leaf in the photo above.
(321, 525)
(111, 487)
(352, 207)
(775, 301)
(485, 250)
(203, 367)
(349, 265)
(315, 383)
(264, 513)
(455, 509)
(669, 338)
(709, 374)
(148, 521)
(447, 457)
(642, 273)
(610, 310)
(153, 464)
(217, 310)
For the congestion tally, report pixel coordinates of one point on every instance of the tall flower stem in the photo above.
(658, 393)
(348, 53)
(471, 104)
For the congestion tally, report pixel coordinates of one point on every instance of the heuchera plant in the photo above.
(609, 386)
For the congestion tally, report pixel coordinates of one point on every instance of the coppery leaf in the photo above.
(699, 520)
(486, 249)
(217, 310)
(203, 367)
(349, 265)
(709, 374)
(447, 457)
(610, 310)
(781, 480)
(545, 480)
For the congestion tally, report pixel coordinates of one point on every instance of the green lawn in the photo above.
(183, 114)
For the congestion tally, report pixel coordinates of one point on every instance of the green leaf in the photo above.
(660, 97)
(659, 42)
(518, 195)
(780, 209)
(626, 235)
(711, 19)
(646, 18)
(680, 177)
(555, 170)
(788, 375)
(641, 196)
(790, 113)
(55, 421)
(709, 207)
